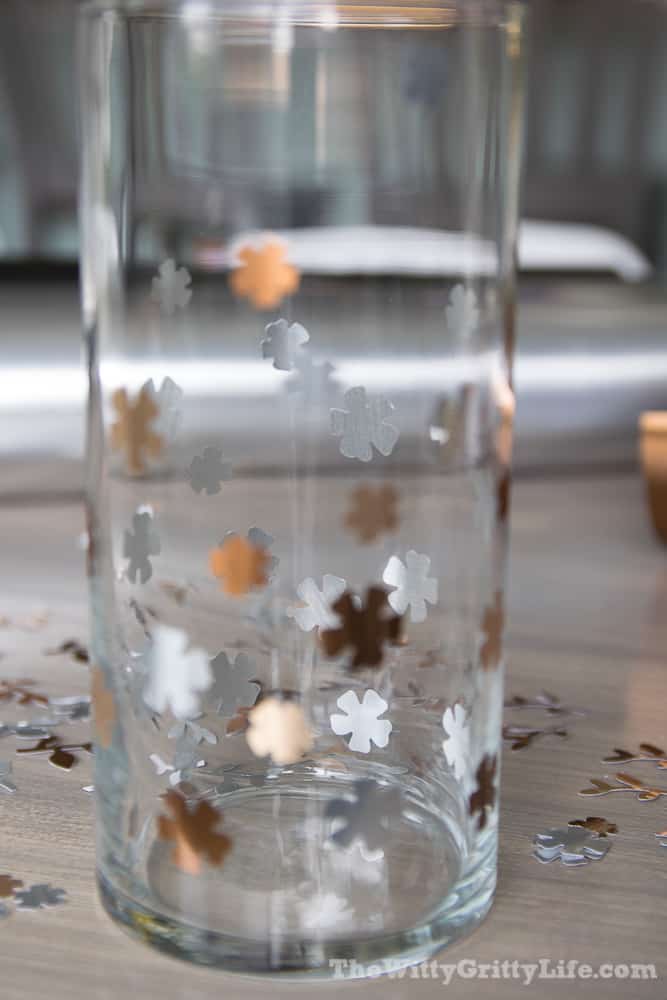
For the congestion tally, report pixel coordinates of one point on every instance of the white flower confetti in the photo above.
(171, 290)
(284, 343)
(168, 400)
(457, 744)
(362, 720)
(363, 425)
(413, 585)
(316, 611)
(139, 544)
(177, 675)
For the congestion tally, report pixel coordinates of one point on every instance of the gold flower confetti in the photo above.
(626, 783)
(492, 627)
(104, 707)
(264, 276)
(20, 690)
(364, 629)
(484, 796)
(279, 729)
(240, 565)
(62, 755)
(596, 824)
(373, 512)
(8, 885)
(647, 751)
(193, 834)
(132, 432)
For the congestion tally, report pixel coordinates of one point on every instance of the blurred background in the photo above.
(592, 338)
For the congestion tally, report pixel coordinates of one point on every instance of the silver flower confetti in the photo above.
(362, 720)
(189, 729)
(364, 425)
(233, 686)
(413, 586)
(316, 610)
(284, 343)
(312, 380)
(139, 544)
(171, 290)
(207, 472)
(573, 846)
(39, 897)
(366, 817)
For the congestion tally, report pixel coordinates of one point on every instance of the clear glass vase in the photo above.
(298, 227)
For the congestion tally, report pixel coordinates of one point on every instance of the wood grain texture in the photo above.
(587, 621)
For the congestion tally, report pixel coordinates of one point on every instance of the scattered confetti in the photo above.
(626, 783)
(646, 752)
(71, 647)
(8, 884)
(6, 783)
(71, 709)
(373, 512)
(278, 729)
(193, 834)
(207, 472)
(171, 290)
(366, 817)
(362, 720)
(61, 755)
(493, 626)
(20, 692)
(596, 824)
(462, 312)
(363, 425)
(139, 544)
(457, 745)
(316, 609)
(189, 729)
(240, 565)
(233, 687)
(284, 343)
(572, 846)
(263, 276)
(543, 702)
(177, 675)
(39, 897)
(523, 736)
(132, 431)
(364, 628)
(413, 586)
(484, 797)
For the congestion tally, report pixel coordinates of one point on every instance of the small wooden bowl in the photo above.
(653, 451)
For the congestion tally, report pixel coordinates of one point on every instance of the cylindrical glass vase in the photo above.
(298, 224)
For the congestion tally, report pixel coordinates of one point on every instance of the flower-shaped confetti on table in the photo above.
(233, 685)
(362, 720)
(596, 824)
(138, 545)
(133, 431)
(363, 425)
(242, 564)
(457, 745)
(493, 626)
(524, 736)
(364, 628)
(8, 886)
(572, 846)
(171, 290)
(284, 343)
(373, 512)
(316, 612)
(177, 675)
(191, 731)
(75, 708)
(20, 691)
(544, 702)
(39, 897)
(484, 797)
(6, 783)
(62, 755)
(70, 647)
(462, 312)
(413, 586)
(647, 752)
(104, 707)
(278, 729)
(366, 817)
(194, 834)
(207, 472)
(263, 275)
(625, 783)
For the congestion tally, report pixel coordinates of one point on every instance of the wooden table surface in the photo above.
(588, 622)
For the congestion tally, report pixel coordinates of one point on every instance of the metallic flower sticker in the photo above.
(366, 817)
(524, 736)
(413, 586)
(6, 783)
(20, 692)
(138, 545)
(312, 380)
(133, 432)
(284, 342)
(189, 730)
(626, 783)
(364, 628)
(315, 612)
(75, 708)
(39, 897)
(104, 707)
(457, 745)
(545, 702)
(61, 755)
(572, 846)
(70, 647)
(278, 729)
(239, 565)
(8, 886)
(233, 685)
(373, 512)
(177, 675)
(493, 626)
(263, 275)
(194, 834)
(647, 751)
(484, 797)
(207, 472)
(462, 312)
(362, 720)
(364, 425)
(184, 761)
(596, 824)
(172, 289)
